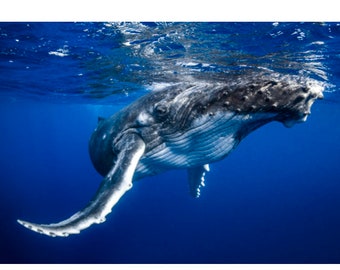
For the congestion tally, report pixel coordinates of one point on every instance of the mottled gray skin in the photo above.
(184, 126)
(286, 99)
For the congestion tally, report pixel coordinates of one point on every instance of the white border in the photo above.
(169, 10)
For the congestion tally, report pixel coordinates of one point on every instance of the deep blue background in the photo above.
(275, 199)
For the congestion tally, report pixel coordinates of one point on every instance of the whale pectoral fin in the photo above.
(196, 179)
(112, 188)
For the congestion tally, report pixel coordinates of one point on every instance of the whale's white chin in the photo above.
(290, 123)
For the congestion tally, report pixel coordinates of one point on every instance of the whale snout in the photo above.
(301, 103)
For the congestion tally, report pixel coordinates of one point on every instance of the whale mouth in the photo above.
(302, 103)
(291, 122)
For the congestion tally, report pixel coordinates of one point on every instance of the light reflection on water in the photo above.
(94, 61)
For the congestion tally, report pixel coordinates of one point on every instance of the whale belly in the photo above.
(210, 138)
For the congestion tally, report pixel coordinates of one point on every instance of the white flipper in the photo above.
(196, 179)
(112, 188)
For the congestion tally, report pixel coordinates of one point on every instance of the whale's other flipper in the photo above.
(112, 188)
(196, 179)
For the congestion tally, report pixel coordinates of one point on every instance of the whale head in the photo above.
(287, 98)
(271, 96)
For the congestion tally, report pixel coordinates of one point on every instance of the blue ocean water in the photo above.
(275, 199)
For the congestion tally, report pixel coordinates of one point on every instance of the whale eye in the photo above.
(161, 109)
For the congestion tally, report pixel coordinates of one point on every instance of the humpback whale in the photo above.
(183, 126)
